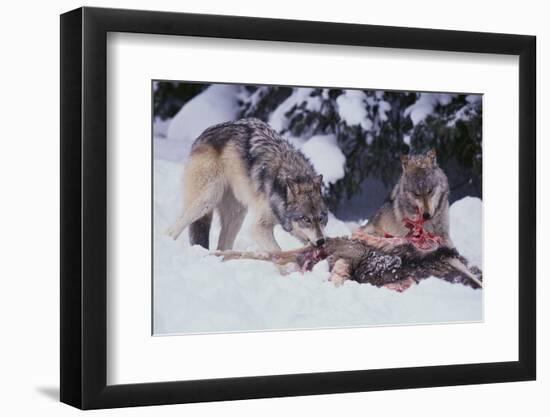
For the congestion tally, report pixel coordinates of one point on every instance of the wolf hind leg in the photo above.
(198, 209)
(195, 209)
(232, 214)
(203, 190)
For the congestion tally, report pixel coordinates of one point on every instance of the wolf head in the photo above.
(423, 183)
(306, 212)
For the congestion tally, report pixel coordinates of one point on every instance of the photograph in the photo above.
(305, 207)
(266, 207)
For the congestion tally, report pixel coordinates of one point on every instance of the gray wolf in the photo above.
(246, 165)
(423, 189)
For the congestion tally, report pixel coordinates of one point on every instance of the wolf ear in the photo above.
(431, 154)
(318, 180)
(404, 160)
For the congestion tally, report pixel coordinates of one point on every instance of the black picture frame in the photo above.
(84, 207)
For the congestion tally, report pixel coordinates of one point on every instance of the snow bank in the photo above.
(218, 103)
(326, 156)
(466, 226)
(195, 292)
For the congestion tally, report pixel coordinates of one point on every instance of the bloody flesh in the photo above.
(312, 257)
(416, 235)
(423, 240)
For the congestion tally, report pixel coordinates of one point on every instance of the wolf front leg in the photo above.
(262, 232)
(232, 213)
(263, 235)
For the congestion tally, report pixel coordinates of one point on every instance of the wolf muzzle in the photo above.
(426, 209)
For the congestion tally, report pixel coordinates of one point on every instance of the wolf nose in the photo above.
(426, 216)
(320, 242)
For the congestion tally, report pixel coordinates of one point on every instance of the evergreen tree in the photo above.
(372, 147)
(373, 128)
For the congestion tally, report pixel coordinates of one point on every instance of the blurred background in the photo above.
(353, 137)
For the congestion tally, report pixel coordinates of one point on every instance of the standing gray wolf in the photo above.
(236, 166)
(422, 189)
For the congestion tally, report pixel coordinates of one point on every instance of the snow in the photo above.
(383, 108)
(194, 292)
(468, 111)
(326, 156)
(217, 104)
(474, 98)
(465, 219)
(352, 108)
(252, 100)
(160, 127)
(278, 120)
(171, 150)
(425, 105)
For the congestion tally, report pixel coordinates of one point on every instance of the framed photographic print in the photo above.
(257, 208)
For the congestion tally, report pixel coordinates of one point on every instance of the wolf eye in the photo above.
(306, 219)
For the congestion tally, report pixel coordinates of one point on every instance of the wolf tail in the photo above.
(199, 231)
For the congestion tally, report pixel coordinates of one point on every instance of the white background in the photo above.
(30, 204)
(134, 356)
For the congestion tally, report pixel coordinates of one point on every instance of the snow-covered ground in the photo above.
(196, 292)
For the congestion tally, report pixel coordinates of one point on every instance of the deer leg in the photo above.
(278, 258)
(341, 272)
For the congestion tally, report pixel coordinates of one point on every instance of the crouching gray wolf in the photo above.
(423, 189)
(236, 166)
